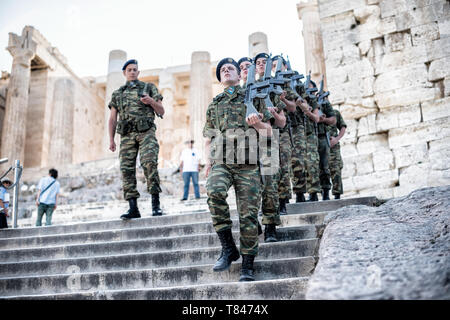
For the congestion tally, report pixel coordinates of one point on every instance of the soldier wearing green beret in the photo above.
(270, 200)
(136, 104)
(226, 122)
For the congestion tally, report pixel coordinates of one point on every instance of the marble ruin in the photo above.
(387, 65)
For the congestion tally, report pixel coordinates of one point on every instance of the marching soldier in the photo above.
(335, 161)
(327, 118)
(289, 98)
(305, 158)
(136, 103)
(225, 114)
(270, 199)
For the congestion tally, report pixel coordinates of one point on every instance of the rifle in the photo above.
(309, 90)
(293, 76)
(269, 84)
(321, 94)
(251, 92)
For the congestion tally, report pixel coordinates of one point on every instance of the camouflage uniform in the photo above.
(270, 199)
(305, 159)
(324, 149)
(137, 129)
(335, 161)
(227, 111)
(284, 187)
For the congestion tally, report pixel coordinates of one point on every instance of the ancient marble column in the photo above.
(61, 138)
(167, 127)
(114, 80)
(257, 43)
(308, 12)
(23, 49)
(200, 96)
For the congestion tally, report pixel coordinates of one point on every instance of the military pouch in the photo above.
(143, 124)
(123, 127)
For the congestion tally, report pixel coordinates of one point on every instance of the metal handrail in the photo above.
(18, 169)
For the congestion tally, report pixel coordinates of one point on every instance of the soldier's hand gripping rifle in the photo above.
(309, 91)
(269, 84)
(251, 92)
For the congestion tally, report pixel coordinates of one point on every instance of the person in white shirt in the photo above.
(189, 167)
(47, 197)
(4, 203)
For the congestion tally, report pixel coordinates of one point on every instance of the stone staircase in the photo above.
(168, 257)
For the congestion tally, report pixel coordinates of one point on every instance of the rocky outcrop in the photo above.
(399, 250)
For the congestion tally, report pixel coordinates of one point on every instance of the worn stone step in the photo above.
(123, 234)
(330, 205)
(277, 250)
(278, 289)
(187, 217)
(152, 278)
(141, 245)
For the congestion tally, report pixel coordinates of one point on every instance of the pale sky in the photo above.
(158, 34)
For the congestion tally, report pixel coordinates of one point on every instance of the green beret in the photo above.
(261, 55)
(132, 61)
(244, 59)
(225, 61)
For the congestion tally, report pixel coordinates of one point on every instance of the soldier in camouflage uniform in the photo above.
(289, 98)
(227, 112)
(305, 155)
(327, 118)
(335, 161)
(136, 104)
(270, 199)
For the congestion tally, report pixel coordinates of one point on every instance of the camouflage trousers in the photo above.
(270, 200)
(246, 180)
(336, 165)
(284, 187)
(298, 159)
(312, 163)
(324, 152)
(146, 145)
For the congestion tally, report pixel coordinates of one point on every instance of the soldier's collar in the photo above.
(231, 90)
(132, 83)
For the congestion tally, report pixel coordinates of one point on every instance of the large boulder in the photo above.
(399, 250)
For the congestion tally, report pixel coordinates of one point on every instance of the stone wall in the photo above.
(388, 69)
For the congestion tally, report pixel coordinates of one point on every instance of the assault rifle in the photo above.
(269, 84)
(309, 90)
(295, 77)
(251, 92)
(321, 94)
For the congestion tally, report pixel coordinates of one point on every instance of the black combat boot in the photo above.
(283, 210)
(270, 233)
(259, 229)
(229, 251)
(155, 205)
(247, 268)
(313, 197)
(325, 194)
(300, 197)
(133, 213)
(337, 196)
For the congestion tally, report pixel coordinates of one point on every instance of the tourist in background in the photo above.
(189, 167)
(4, 203)
(47, 197)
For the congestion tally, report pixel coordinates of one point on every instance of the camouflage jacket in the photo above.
(340, 123)
(126, 100)
(309, 124)
(227, 111)
(328, 111)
